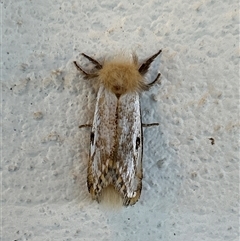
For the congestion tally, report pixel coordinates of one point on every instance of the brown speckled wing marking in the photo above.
(102, 142)
(129, 151)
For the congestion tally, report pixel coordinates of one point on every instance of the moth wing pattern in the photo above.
(116, 146)
(130, 148)
(102, 142)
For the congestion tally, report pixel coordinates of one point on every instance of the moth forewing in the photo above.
(129, 151)
(102, 142)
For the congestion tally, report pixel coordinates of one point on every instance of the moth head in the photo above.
(121, 76)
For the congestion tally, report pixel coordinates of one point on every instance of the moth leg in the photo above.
(145, 66)
(156, 79)
(95, 62)
(151, 124)
(86, 125)
(87, 75)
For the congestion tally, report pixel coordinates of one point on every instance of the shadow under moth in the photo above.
(115, 163)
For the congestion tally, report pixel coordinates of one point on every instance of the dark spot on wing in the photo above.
(138, 142)
(92, 138)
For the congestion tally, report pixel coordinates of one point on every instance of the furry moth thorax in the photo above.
(121, 75)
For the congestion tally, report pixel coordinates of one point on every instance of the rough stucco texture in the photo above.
(190, 185)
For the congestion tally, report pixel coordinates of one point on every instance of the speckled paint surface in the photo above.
(191, 160)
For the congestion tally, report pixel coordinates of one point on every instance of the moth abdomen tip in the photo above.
(111, 198)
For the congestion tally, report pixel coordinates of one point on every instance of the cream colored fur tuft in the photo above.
(121, 75)
(110, 198)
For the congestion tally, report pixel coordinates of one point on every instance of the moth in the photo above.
(114, 171)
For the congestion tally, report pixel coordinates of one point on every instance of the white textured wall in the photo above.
(190, 187)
